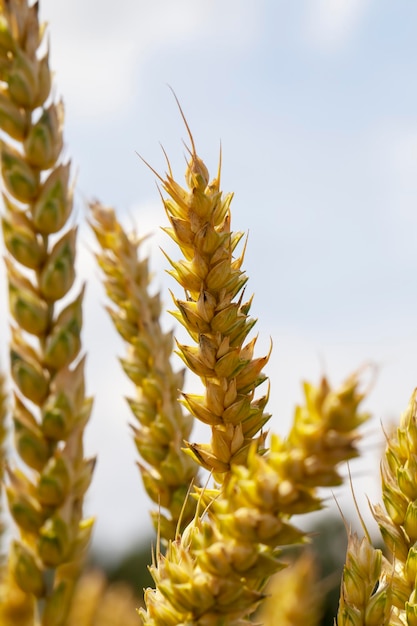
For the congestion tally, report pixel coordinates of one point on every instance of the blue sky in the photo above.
(315, 104)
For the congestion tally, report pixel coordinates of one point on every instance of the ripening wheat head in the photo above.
(216, 318)
(97, 602)
(161, 426)
(215, 571)
(366, 593)
(398, 523)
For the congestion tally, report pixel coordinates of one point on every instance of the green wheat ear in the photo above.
(398, 522)
(375, 589)
(161, 427)
(50, 409)
(366, 592)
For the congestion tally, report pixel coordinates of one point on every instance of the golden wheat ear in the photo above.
(216, 317)
(50, 408)
(160, 427)
(324, 435)
(216, 570)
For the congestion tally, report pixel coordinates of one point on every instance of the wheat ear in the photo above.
(324, 434)
(366, 592)
(295, 596)
(17, 608)
(98, 603)
(50, 408)
(216, 317)
(398, 523)
(374, 589)
(161, 426)
(215, 572)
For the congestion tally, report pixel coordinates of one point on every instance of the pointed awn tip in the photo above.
(190, 135)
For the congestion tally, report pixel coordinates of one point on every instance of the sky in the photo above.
(314, 103)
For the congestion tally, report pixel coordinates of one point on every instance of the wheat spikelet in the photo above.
(161, 426)
(365, 597)
(323, 435)
(50, 408)
(17, 608)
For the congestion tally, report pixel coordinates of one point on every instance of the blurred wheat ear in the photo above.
(295, 596)
(4, 410)
(50, 409)
(160, 427)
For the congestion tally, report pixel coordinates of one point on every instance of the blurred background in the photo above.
(315, 105)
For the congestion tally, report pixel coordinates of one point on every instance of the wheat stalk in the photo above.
(323, 435)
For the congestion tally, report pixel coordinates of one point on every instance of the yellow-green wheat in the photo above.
(50, 409)
(216, 571)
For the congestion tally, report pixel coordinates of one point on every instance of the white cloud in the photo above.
(97, 51)
(331, 23)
